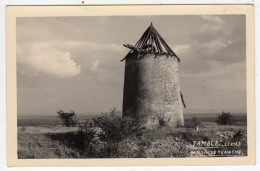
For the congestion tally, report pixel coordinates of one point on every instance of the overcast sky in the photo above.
(73, 63)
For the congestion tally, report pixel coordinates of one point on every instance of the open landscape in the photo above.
(45, 137)
(176, 85)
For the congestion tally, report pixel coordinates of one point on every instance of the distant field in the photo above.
(241, 119)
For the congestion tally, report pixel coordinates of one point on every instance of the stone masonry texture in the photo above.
(152, 89)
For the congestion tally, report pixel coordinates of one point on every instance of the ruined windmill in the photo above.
(151, 85)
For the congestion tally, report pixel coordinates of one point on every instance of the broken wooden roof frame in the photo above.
(151, 42)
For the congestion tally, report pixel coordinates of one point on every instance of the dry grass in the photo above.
(45, 129)
(62, 142)
(34, 143)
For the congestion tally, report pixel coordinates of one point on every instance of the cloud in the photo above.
(94, 65)
(202, 56)
(208, 27)
(213, 24)
(216, 45)
(221, 72)
(214, 19)
(94, 45)
(55, 56)
(44, 58)
(180, 48)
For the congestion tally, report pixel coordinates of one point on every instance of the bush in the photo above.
(238, 135)
(225, 119)
(87, 133)
(68, 119)
(114, 130)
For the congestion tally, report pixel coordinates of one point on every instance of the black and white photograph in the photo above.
(131, 86)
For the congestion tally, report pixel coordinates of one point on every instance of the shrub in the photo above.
(87, 133)
(192, 122)
(225, 119)
(238, 135)
(68, 119)
(114, 130)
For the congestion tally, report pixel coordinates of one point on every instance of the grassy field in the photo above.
(55, 141)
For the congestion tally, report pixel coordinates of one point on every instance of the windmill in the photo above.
(151, 84)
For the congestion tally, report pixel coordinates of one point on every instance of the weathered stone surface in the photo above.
(152, 90)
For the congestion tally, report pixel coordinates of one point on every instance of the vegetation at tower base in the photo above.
(151, 86)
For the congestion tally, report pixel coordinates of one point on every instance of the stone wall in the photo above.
(152, 90)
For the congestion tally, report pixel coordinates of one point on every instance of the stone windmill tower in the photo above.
(151, 85)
